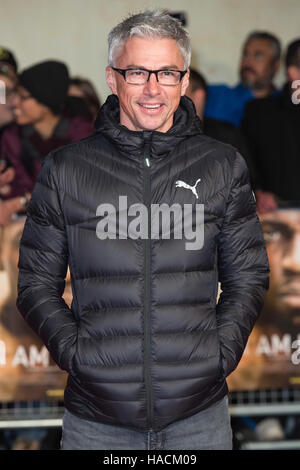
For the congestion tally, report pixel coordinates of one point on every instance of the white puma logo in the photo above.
(182, 184)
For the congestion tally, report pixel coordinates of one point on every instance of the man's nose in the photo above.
(152, 86)
(247, 61)
(291, 260)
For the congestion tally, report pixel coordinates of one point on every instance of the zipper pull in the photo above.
(147, 161)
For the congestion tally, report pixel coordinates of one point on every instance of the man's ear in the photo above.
(185, 82)
(111, 79)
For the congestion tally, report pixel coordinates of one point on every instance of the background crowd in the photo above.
(45, 108)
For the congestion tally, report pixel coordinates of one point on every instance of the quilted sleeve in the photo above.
(243, 269)
(43, 262)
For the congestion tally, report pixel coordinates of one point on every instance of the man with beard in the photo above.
(259, 63)
(219, 130)
(43, 123)
(271, 126)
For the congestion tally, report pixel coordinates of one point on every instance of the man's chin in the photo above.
(158, 125)
(248, 83)
(253, 84)
(150, 126)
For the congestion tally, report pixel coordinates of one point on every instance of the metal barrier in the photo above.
(244, 403)
(31, 414)
(250, 403)
(265, 402)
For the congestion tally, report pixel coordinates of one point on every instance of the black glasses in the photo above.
(141, 76)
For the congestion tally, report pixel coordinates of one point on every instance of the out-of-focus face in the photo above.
(10, 244)
(151, 54)
(281, 230)
(198, 97)
(27, 110)
(258, 67)
(6, 110)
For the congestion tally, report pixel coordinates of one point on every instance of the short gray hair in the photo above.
(149, 24)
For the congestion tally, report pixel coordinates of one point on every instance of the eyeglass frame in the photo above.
(123, 73)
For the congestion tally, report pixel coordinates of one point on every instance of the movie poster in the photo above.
(272, 356)
(27, 371)
(271, 359)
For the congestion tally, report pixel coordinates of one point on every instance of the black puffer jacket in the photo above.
(144, 342)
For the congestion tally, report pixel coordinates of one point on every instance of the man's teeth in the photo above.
(151, 105)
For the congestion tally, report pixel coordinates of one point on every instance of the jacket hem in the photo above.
(143, 429)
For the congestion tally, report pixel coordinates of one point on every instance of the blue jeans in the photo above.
(209, 429)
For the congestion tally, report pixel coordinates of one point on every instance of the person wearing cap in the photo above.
(7, 57)
(42, 125)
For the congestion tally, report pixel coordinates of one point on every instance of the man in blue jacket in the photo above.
(259, 64)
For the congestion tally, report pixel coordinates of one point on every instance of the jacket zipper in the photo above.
(147, 278)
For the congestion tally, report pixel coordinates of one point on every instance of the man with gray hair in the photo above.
(146, 345)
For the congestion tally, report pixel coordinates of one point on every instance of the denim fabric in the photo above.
(209, 429)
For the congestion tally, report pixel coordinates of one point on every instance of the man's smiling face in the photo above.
(150, 106)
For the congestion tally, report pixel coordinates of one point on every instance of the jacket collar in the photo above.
(131, 143)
